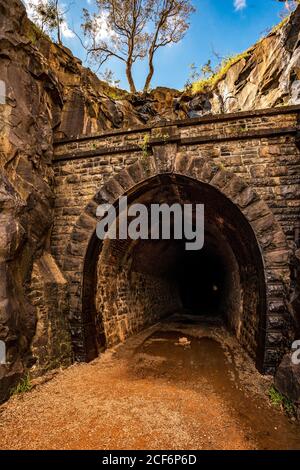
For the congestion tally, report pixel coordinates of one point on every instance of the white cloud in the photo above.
(103, 30)
(28, 5)
(66, 31)
(240, 4)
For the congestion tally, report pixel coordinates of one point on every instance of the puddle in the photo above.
(205, 363)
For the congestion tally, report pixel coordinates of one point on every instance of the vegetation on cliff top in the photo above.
(205, 84)
(216, 75)
(123, 30)
(201, 82)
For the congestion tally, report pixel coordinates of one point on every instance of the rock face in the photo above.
(287, 379)
(47, 94)
(268, 76)
(30, 113)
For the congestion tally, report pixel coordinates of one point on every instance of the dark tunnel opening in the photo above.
(202, 283)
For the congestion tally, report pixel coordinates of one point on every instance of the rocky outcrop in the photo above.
(15, 318)
(45, 92)
(287, 380)
(268, 75)
(29, 113)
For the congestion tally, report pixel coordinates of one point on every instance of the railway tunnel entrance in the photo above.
(130, 284)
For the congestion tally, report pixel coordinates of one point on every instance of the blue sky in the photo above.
(225, 26)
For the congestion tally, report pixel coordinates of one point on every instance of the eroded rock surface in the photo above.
(268, 76)
(287, 380)
(32, 108)
(48, 93)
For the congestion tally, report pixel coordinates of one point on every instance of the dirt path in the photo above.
(151, 394)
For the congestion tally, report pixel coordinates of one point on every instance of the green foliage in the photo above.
(145, 147)
(164, 136)
(207, 69)
(109, 77)
(278, 26)
(280, 401)
(115, 93)
(23, 386)
(32, 36)
(54, 364)
(203, 72)
(216, 75)
(35, 33)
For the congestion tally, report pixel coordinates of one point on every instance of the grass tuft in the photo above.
(209, 83)
(23, 386)
(280, 401)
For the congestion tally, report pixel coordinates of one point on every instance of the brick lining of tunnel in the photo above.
(138, 283)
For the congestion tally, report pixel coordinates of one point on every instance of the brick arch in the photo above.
(270, 238)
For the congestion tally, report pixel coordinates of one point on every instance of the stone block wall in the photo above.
(51, 345)
(256, 149)
(128, 301)
(259, 147)
(77, 181)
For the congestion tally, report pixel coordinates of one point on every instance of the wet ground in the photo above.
(202, 362)
(182, 384)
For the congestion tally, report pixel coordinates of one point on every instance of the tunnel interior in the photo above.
(135, 283)
(202, 282)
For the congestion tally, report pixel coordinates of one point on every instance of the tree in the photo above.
(171, 21)
(49, 15)
(131, 30)
(207, 70)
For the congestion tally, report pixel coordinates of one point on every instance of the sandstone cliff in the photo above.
(30, 113)
(267, 75)
(50, 94)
